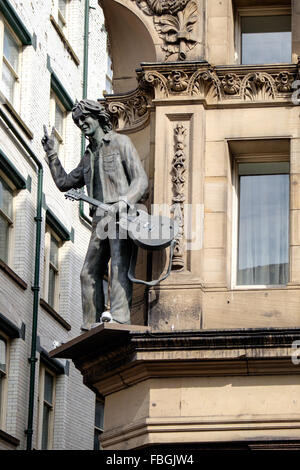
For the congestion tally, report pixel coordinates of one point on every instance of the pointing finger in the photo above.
(45, 130)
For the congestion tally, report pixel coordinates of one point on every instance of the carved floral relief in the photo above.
(178, 180)
(174, 21)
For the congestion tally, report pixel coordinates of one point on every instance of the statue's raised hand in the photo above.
(48, 141)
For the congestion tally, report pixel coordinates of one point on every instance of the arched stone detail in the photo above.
(133, 39)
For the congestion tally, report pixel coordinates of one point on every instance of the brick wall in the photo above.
(74, 407)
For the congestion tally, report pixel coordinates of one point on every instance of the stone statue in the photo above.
(113, 174)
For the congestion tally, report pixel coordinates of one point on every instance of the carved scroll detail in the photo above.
(178, 180)
(131, 112)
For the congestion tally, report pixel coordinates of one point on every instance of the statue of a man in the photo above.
(113, 174)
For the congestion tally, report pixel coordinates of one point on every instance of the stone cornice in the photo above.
(111, 358)
(214, 86)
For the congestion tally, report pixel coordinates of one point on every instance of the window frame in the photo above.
(236, 160)
(55, 101)
(15, 102)
(13, 188)
(41, 402)
(97, 430)
(254, 11)
(62, 20)
(49, 232)
(4, 384)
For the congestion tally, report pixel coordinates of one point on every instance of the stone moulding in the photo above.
(112, 358)
(221, 86)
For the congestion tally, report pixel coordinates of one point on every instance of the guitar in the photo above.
(147, 231)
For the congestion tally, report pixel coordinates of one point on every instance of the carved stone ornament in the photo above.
(284, 82)
(178, 180)
(231, 84)
(214, 85)
(130, 111)
(174, 21)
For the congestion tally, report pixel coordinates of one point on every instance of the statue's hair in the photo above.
(96, 110)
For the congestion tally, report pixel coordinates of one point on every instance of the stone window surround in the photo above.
(238, 156)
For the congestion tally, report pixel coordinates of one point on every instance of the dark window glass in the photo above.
(266, 39)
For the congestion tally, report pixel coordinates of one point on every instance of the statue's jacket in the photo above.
(121, 172)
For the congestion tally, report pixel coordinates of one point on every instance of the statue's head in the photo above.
(88, 115)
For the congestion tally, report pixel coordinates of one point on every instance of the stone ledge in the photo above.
(113, 357)
(9, 438)
(14, 276)
(55, 315)
(64, 40)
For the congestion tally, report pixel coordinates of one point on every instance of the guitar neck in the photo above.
(96, 203)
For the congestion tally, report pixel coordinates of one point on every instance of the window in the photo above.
(62, 13)
(46, 408)
(99, 418)
(51, 271)
(265, 36)
(10, 64)
(57, 119)
(263, 224)
(109, 71)
(3, 378)
(6, 218)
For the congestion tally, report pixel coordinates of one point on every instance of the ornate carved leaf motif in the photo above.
(284, 82)
(160, 7)
(178, 180)
(205, 84)
(176, 31)
(258, 87)
(231, 84)
(174, 21)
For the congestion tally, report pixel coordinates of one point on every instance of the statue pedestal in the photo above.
(194, 388)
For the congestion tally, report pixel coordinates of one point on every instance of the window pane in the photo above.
(263, 253)
(11, 49)
(54, 252)
(4, 239)
(99, 414)
(97, 445)
(45, 430)
(48, 388)
(6, 198)
(266, 39)
(59, 120)
(51, 287)
(62, 6)
(8, 82)
(2, 355)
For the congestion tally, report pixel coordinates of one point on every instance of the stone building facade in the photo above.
(43, 70)
(209, 95)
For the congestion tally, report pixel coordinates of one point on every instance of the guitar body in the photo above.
(147, 231)
(150, 232)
